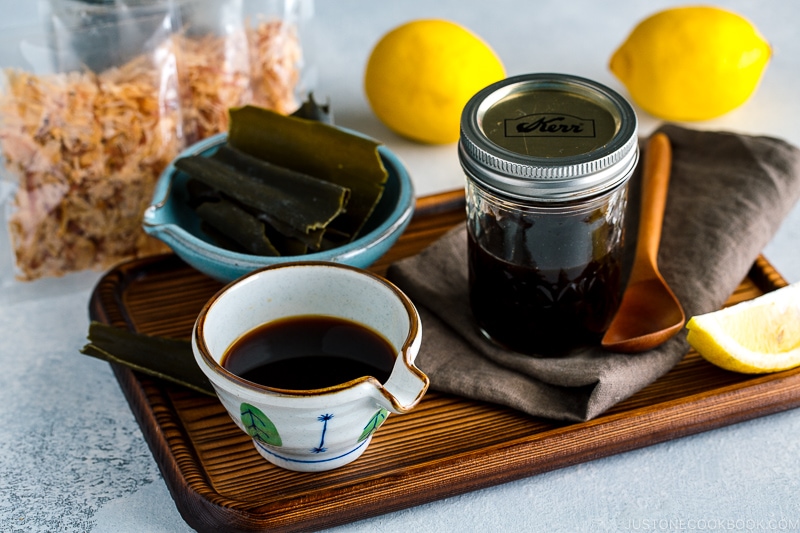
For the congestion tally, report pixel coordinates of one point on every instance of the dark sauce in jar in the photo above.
(548, 160)
(310, 352)
(533, 310)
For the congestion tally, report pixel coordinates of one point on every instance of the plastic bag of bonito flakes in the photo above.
(96, 105)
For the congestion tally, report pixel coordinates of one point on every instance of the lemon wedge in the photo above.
(753, 337)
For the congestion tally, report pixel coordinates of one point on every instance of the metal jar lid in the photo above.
(548, 137)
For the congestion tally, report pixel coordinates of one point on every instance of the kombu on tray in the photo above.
(161, 357)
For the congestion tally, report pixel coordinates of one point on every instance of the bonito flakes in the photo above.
(86, 149)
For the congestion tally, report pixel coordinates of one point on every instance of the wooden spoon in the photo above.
(649, 313)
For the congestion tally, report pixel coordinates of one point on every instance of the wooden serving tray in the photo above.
(445, 446)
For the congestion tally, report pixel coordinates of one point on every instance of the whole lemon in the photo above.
(691, 63)
(421, 74)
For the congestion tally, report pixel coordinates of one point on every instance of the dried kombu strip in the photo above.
(169, 359)
(318, 150)
(287, 245)
(303, 212)
(259, 226)
(311, 110)
(199, 192)
(238, 225)
(294, 183)
(220, 239)
(310, 189)
(311, 239)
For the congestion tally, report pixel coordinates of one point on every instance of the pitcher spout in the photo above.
(407, 384)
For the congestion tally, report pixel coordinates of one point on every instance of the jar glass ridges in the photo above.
(541, 281)
(548, 160)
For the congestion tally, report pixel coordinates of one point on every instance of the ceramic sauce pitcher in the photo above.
(322, 428)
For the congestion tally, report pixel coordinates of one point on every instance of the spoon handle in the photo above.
(657, 164)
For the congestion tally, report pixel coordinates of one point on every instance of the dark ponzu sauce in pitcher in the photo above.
(310, 352)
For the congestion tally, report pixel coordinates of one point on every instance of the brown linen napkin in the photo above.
(728, 195)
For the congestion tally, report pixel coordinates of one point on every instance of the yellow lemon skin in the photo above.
(421, 74)
(691, 63)
(753, 337)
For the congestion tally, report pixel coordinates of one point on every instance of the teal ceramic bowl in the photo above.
(170, 219)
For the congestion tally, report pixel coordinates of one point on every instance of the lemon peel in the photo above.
(691, 63)
(420, 75)
(753, 337)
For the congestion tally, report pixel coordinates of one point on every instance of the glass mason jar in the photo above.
(548, 159)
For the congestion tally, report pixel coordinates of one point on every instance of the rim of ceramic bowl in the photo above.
(400, 214)
(198, 335)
